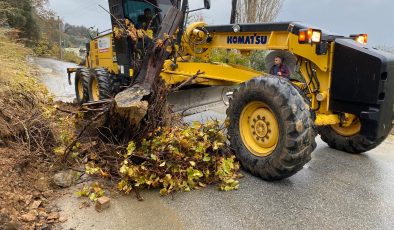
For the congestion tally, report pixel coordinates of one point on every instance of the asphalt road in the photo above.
(335, 190)
(54, 76)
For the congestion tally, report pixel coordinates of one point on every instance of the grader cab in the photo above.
(345, 94)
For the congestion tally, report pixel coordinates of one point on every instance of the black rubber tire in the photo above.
(294, 147)
(355, 144)
(104, 80)
(119, 82)
(84, 76)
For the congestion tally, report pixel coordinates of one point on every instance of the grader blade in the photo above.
(197, 100)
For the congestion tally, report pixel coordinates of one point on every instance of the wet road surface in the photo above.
(335, 190)
(54, 76)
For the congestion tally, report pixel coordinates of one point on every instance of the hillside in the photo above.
(39, 28)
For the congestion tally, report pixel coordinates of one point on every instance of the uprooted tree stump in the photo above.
(142, 107)
(146, 100)
(152, 111)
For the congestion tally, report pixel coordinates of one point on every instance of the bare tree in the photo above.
(250, 11)
(233, 11)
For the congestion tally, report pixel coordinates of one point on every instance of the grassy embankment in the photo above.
(27, 137)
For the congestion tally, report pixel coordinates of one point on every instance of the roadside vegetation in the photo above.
(253, 59)
(28, 133)
(34, 25)
(72, 57)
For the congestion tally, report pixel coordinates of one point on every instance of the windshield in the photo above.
(141, 12)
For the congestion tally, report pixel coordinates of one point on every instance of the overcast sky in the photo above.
(374, 17)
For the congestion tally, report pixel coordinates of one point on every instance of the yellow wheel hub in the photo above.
(80, 88)
(348, 131)
(95, 90)
(259, 129)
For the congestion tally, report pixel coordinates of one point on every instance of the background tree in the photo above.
(31, 22)
(21, 16)
(233, 16)
(254, 11)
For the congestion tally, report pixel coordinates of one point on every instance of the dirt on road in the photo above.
(26, 193)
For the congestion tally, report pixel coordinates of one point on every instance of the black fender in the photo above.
(362, 84)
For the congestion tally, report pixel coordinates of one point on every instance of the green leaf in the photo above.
(153, 157)
(168, 177)
(130, 148)
(74, 155)
(206, 158)
(163, 191)
(197, 173)
(227, 165)
(123, 169)
(207, 173)
(202, 184)
(93, 196)
(85, 191)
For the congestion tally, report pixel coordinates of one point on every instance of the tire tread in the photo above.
(296, 147)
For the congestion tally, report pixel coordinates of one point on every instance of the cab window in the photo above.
(142, 12)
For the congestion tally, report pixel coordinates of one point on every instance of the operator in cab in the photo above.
(280, 69)
(145, 19)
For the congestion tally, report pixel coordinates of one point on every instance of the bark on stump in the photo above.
(133, 102)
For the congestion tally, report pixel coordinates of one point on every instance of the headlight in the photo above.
(360, 38)
(316, 36)
(309, 36)
(236, 28)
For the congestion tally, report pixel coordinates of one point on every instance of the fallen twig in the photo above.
(70, 146)
(187, 82)
(66, 111)
(93, 110)
(98, 102)
(137, 193)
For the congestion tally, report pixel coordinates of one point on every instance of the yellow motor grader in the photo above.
(345, 95)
